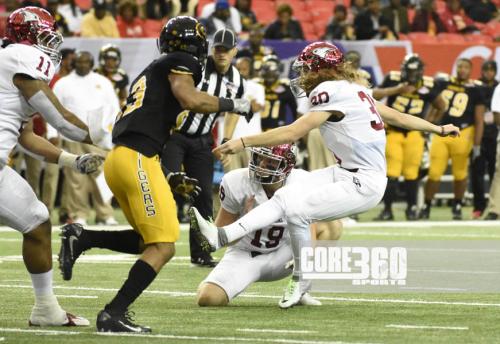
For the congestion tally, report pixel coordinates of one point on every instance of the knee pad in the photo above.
(37, 214)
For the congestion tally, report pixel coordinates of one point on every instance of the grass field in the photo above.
(168, 306)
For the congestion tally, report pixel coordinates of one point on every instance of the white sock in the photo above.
(42, 285)
(300, 236)
(260, 217)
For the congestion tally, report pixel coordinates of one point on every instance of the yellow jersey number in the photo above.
(416, 106)
(272, 110)
(456, 103)
(137, 95)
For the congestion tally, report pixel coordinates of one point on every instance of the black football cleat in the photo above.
(385, 215)
(204, 261)
(425, 212)
(411, 213)
(70, 248)
(491, 217)
(456, 211)
(108, 322)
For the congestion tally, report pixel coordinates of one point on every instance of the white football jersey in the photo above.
(235, 189)
(358, 139)
(14, 109)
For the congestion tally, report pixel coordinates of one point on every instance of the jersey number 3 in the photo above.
(136, 97)
(377, 125)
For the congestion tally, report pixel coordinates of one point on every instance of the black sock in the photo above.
(457, 202)
(139, 278)
(390, 193)
(411, 188)
(120, 241)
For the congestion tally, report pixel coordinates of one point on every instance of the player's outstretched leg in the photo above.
(71, 248)
(37, 255)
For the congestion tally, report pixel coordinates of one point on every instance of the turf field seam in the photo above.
(270, 330)
(262, 296)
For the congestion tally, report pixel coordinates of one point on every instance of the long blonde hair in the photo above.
(344, 71)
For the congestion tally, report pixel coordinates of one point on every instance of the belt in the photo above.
(255, 253)
(353, 170)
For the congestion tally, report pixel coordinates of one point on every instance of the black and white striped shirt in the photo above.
(230, 85)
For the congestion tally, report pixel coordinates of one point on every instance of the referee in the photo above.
(191, 142)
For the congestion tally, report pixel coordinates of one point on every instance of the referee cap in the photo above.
(225, 38)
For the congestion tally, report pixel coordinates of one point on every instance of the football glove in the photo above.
(88, 163)
(183, 185)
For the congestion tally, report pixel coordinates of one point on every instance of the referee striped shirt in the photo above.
(229, 85)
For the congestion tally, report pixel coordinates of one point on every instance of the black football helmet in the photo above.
(270, 69)
(110, 51)
(185, 34)
(412, 69)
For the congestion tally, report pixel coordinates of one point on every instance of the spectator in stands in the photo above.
(256, 51)
(370, 24)
(284, 27)
(480, 10)
(248, 17)
(99, 22)
(220, 19)
(427, 19)
(128, 22)
(397, 14)
(233, 16)
(156, 9)
(357, 6)
(339, 27)
(61, 23)
(454, 18)
(72, 13)
(9, 6)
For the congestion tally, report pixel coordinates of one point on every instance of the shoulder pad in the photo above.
(443, 76)
(477, 83)
(428, 81)
(121, 71)
(285, 81)
(258, 80)
(395, 75)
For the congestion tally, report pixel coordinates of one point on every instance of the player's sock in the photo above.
(300, 237)
(42, 285)
(262, 216)
(120, 241)
(411, 187)
(390, 193)
(139, 278)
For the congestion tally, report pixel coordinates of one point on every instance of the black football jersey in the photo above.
(119, 79)
(461, 98)
(151, 110)
(280, 105)
(415, 103)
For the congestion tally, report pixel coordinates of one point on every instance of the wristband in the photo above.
(226, 104)
(67, 159)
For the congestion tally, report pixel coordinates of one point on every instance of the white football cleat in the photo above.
(54, 315)
(209, 233)
(308, 300)
(291, 296)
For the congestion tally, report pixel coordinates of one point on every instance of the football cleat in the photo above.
(70, 248)
(425, 212)
(308, 300)
(207, 232)
(411, 213)
(204, 261)
(385, 215)
(108, 322)
(52, 315)
(476, 214)
(291, 296)
(491, 217)
(456, 211)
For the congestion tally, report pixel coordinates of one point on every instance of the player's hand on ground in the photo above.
(450, 130)
(88, 163)
(183, 185)
(230, 147)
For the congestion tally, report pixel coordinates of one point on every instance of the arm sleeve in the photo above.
(495, 100)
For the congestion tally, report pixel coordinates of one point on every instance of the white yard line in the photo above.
(404, 233)
(270, 330)
(77, 296)
(276, 297)
(171, 336)
(424, 327)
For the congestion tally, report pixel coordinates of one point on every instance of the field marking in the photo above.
(276, 297)
(424, 327)
(171, 336)
(77, 296)
(270, 330)
(420, 234)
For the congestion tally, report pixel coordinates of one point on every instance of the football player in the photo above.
(263, 255)
(280, 101)
(29, 61)
(465, 108)
(133, 172)
(110, 58)
(404, 149)
(352, 127)
(255, 50)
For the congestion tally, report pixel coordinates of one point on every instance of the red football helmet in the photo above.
(271, 165)
(35, 26)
